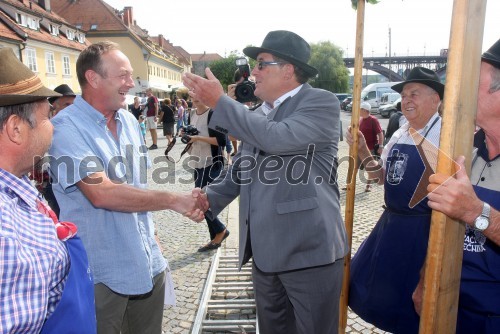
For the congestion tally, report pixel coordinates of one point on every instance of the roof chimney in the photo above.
(45, 4)
(160, 40)
(128, 16)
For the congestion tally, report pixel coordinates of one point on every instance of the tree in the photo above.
(333, 74)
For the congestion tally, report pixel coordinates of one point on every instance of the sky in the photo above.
(417, 27)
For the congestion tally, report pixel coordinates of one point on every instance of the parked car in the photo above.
(388, 109)
(348, 107)
(345, 102)
(342, 96)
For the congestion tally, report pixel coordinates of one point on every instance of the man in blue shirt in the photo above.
(99, 160)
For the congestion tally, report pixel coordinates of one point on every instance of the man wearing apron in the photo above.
(45, 282)
(385, 269)
(476, 202)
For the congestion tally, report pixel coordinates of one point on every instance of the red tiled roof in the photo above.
(42, 34)
(205, 57)
(89, 12)
(8, 30)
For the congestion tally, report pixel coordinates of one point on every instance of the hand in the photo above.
(208, 91)
(350, 138)
(187, 205)
(202, 199)
(418, 295)
(454, 196)
(231, 91)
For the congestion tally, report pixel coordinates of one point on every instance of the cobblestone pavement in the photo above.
(180, 237)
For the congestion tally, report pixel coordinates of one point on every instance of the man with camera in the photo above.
(284, 173)
(206, 149)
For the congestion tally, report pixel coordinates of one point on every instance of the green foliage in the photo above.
(333, 74)
(354, 3)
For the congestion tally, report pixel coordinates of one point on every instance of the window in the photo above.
(32, 23)
(70, 34)
(21, 19)
(49, 58)
(31, 59)
(93, 27)
(54, 30)
(66, 66)
(81, 38)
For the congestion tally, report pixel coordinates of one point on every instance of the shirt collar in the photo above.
(22, 187)
(91, 112)
(267, 108)
(406, 126)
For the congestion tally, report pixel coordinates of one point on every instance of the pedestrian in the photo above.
(395, 121)
(100, 162)
(373, 135)
(44, 269)
(207, 149)
(136, 108)
(152, 110)
(142, 123)
(385, 269)
(167, 117)
(40, 173)
(290, 221)
(476, 202)
(59, 103)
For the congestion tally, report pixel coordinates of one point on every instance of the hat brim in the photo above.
(437, 86)
(253, 52)
(490, 59)
(39, 94)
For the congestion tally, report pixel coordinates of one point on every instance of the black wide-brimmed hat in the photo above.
(285, 45)
(18, 84)
(423, 76)
(64, 90)
(492, 56)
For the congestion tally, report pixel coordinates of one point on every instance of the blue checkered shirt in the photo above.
(34, 264)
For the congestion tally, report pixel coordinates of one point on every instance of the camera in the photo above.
(244, 91)
(188, 131)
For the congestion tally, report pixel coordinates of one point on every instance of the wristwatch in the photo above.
(482, 222)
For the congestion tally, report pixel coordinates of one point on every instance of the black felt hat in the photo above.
(423, 76)
(64, 90)
(492, 56)
(285, 45)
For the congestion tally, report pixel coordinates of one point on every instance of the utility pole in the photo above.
(390, 70)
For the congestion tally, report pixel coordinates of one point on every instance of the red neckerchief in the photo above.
(65, 230)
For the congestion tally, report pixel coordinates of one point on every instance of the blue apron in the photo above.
(479, 303)
(75, 312)
(385, 270)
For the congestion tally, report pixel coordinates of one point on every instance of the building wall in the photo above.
(56, 77)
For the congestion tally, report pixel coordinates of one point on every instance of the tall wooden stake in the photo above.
(353, 153)
(445, 250)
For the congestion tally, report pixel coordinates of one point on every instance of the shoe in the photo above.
(152, 147)
(344, 188)
(226, 234)
(233, 154)
(209, 246)
(367, 189)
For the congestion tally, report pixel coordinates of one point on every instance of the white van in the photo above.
(373, 93)
(389, 98)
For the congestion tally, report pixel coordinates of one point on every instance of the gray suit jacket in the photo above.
(285, 175)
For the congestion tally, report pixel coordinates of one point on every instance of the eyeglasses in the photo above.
(262, 64)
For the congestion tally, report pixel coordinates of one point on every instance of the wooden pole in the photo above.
(445, 250)
(353, 153)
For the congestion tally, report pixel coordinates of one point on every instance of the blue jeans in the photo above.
(202, 177)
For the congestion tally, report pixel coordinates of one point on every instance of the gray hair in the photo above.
(495, 80)
(25, 111)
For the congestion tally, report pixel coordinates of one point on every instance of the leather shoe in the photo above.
(226, 234)
(209, 246)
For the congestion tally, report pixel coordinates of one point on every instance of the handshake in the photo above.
(192, 205)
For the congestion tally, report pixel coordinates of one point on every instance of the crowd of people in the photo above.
(80, 254)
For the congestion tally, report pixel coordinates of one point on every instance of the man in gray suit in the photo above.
(285, 175)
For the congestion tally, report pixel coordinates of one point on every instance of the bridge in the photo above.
(397, 68)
